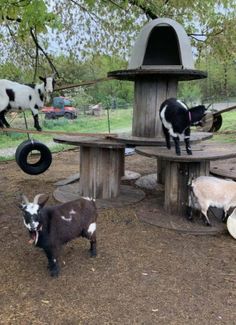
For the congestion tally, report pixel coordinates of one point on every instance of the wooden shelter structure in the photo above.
(161, 57)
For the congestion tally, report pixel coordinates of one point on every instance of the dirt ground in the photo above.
(143, 274)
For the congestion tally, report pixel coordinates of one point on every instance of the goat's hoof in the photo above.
(189, 152)
(224, 219)
(189, 217)
(54, 273)
(189, 214)
(93, 253)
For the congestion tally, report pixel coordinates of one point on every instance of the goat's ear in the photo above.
(42, 78)
(20, 206)
(43, 201)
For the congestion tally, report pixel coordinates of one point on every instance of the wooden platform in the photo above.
(224, 172)
(178, 74)
(157, 216)
(127, 195)
(129, 139)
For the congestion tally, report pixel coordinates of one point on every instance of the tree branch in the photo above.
(42, 50)
(146, 10)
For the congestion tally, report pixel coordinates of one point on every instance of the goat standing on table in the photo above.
(176, 120)
(15, 96)
(51, 227)
(211, 191)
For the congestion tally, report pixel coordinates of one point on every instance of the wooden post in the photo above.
(177, 177)
(100, 171)
(149, 94)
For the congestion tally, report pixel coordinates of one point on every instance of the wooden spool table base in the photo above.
(179, 170)
(101, 169)
(127, 195)
(178, 223)
(101, 165)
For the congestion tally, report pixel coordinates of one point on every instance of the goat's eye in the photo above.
(36, 218)
(27, 218)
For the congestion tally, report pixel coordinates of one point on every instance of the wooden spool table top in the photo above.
(99, 142)
(179, 74)
(157, 141)
(202, 152)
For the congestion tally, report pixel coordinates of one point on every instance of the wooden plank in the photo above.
(177, 177)
(223, 172)
(84, 83)
(17, 130)
(149, 95)
(180, 74)
(100, 171)
(223, 110)
(89, 141)
(205, 152)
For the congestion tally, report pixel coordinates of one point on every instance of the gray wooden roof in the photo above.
(162, 42)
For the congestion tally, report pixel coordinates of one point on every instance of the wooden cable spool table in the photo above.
(101, 168)
(101, 165)
(179, 170)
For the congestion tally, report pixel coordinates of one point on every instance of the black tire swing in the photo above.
(24, 151)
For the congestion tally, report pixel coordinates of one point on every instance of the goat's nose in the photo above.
(32, 226)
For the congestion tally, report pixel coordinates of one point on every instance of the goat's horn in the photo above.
(25, 199)
(209, 105)
(36, 199)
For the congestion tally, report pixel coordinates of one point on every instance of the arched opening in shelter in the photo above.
(162, 47)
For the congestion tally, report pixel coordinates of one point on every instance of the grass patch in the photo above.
(228, 125)
(120, 121)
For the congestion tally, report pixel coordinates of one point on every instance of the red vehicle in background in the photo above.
(61, 107)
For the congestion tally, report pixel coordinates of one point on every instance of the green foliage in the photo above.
(107, 26)
(227, 131)
(87, 29)
(221, 81)
(190, 92)
(95, 67)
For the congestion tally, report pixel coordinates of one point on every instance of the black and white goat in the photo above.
(176, 120)
(51, 227)
(16, 96)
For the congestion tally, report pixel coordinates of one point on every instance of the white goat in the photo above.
(214, 192)
(15, 96)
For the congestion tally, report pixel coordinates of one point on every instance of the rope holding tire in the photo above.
(25, 149)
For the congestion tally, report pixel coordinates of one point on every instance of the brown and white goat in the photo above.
(52, 226)
(209, 191)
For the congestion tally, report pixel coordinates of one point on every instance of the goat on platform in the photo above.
(176, 120)
(209, 191)
(51, 227)
(16, 96)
